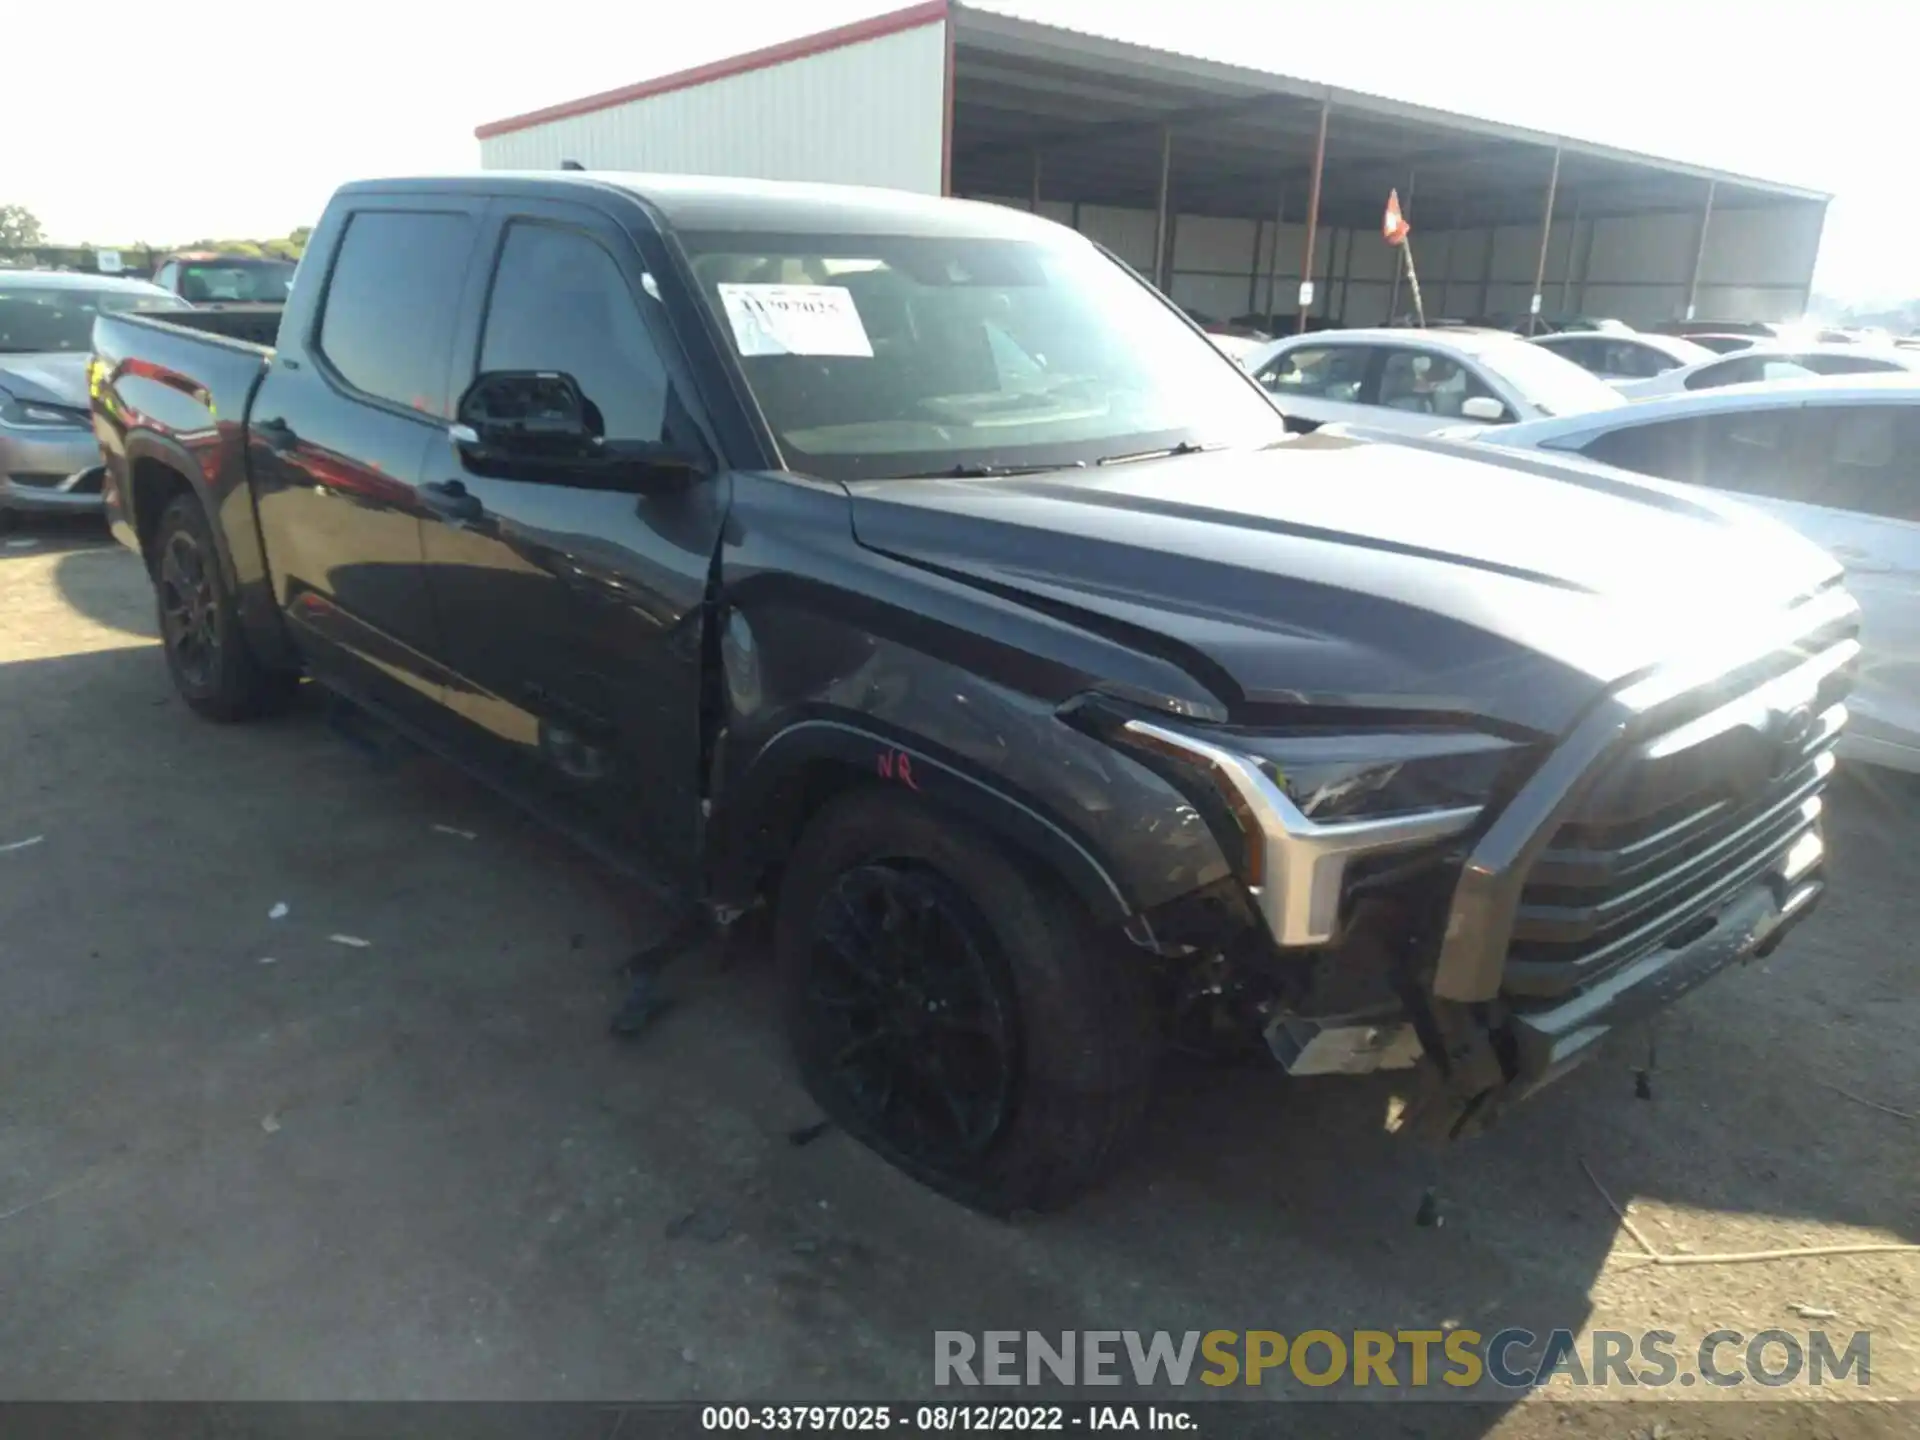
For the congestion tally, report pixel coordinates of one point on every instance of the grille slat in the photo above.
(1682, 822)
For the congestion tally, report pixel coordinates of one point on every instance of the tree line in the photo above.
(20, 229)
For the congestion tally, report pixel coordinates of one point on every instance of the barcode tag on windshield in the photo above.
(794, 320)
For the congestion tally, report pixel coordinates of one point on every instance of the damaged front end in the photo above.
(1486, 913)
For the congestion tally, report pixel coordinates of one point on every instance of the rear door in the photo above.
(355, 397)
(573, 614)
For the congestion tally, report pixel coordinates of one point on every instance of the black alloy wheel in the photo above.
(190, 609)
(912, 1013)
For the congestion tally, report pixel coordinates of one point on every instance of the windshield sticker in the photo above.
(794, 320)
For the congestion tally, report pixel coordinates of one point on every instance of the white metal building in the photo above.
(1227, 185)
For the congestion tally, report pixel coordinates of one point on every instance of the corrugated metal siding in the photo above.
(865, 114)
(1633, 268)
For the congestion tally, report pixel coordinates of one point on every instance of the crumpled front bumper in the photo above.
(1492, 1066)
(1493, 1035)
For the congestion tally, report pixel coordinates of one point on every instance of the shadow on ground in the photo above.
(246, 1157)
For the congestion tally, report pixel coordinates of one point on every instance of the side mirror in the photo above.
(526, 414)
(540, 425)
(1483, 407)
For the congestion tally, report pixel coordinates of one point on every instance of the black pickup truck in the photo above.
(912, 567)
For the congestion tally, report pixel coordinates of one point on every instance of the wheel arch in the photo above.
(159, 470)
(813, 761)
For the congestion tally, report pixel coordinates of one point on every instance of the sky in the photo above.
(234, 122)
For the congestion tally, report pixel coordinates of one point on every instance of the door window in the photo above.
(389, 310)
(1752, 452)
(559, 302)
(1849, 364)
(1743, 369)
(1323, 372)
(1873, 461)
(1667, 449)
(1634, 361)
(1428, 384)
(1749, 452)
(1576, 348)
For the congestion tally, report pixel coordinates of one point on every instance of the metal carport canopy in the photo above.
(1041, 112)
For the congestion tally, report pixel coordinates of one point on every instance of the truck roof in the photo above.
(716, 202)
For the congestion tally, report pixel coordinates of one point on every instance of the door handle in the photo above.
(451, 500)
(276, 435)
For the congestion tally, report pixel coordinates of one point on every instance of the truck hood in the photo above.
(1344, 572)
(59, 378)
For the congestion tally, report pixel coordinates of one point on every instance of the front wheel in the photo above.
(957, 1013)
(213, 666)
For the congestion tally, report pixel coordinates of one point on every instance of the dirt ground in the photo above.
(240, 1158)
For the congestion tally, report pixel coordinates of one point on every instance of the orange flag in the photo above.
(1393, 226)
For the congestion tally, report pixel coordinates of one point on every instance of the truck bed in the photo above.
(250, 324)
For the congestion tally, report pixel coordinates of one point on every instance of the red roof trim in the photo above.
(878, 26)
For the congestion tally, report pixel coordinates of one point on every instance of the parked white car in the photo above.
(1413, 382)
(1837, 460)
(1766, 362)
(1622, 359)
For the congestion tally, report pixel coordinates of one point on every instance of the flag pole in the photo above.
(1413, 281)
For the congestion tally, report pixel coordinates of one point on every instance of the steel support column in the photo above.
(1253, 275)
(1699, 251)
(1273, 259)
(1566, 271)
(1160, 210)
(1486, 262)
(1346, 279)
(1546, 233)
(1313, 206)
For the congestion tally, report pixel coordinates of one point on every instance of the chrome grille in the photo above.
(1725, 792)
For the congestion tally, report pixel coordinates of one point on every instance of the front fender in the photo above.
(1121, 838)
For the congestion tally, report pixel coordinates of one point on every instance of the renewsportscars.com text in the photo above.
(1513, 1358)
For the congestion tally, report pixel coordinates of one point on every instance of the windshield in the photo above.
(877, 356)
(243, 282)
(40, 320)
(1550, 383)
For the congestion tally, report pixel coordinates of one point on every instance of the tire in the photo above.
(212, 664)
(1063, 1031)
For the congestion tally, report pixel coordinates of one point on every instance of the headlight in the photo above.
(1355, 776)
(31, 415)
(1307, 803)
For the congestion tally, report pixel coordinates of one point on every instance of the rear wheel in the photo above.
(213, 666)
(957, 1014)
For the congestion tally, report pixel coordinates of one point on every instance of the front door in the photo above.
(572, 615)
(1315, 385)
(342, 422)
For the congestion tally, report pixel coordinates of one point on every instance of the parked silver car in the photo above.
(1837, 460)
(49, 460)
